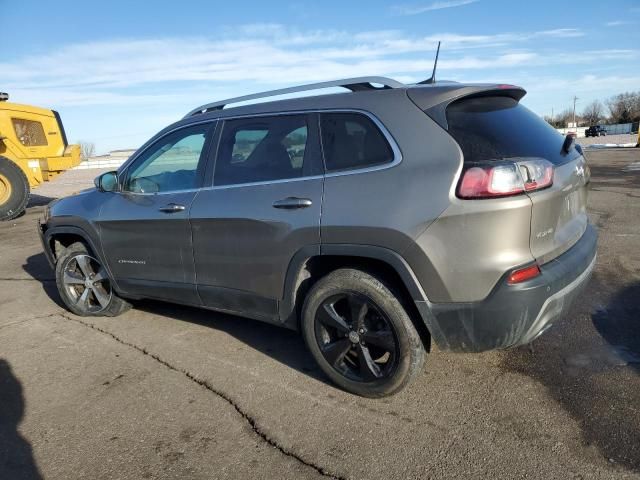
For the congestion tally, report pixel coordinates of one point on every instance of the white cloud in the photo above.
(263, 47)
(418, 9)
(184, 71)
(101, 82)
(617, 23)
(588, 84)
(561, 33)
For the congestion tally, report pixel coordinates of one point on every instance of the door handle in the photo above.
(292, 202)
(172, 208)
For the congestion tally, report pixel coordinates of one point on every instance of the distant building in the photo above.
(113, 159)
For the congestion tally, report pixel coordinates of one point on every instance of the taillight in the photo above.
(527, 273)
(492, 180)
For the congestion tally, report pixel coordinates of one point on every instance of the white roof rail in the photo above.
(354, 84)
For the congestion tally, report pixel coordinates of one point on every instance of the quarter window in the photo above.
(29, 132)
(261, 149)
(170, 164)
(352, 140)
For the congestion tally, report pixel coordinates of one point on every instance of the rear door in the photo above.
(264, 206)
(495, 128)
(144, 228)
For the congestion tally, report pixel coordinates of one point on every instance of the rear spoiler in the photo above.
(434, 100)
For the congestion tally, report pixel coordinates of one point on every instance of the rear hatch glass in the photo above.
(498, 128)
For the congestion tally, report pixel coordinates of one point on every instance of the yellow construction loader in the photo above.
(33, 149)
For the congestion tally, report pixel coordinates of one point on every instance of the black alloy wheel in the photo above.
(356, 338)
(360, 334)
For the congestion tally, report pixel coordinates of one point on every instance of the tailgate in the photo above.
(559, 213)
(492, 129)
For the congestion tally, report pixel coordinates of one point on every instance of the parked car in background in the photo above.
(595, 131)
(375, 222)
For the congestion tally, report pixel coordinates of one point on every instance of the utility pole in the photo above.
(575, 125)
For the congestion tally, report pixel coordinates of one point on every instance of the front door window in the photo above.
(171, 164)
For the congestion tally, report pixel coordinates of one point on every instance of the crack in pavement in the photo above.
(255, 427)
(24, 320)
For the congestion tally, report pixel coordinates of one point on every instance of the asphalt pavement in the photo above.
(172, 392)
(623, 139)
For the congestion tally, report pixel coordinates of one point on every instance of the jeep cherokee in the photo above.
(375, 222)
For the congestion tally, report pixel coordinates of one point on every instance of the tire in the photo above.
(14, 190)
(73, 267)
(338, 334)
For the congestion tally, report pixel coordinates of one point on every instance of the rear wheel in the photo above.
(360, 335)
(14, 190)
(84, 285)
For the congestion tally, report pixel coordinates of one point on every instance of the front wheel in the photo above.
(360, 335)
(84, 285)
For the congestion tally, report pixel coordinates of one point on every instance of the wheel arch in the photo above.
(58, 238)
(314, 262)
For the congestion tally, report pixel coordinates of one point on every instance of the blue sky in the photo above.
(119, 71)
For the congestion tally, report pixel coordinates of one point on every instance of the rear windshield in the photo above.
(498, 128)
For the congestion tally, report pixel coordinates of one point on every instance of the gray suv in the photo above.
(377, 222)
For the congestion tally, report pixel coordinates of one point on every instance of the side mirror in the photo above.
(107, 182)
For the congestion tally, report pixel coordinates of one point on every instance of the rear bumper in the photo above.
(514, 315)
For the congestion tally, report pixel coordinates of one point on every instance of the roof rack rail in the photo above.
(354, 84)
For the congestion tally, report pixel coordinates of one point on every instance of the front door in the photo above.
(264, 206)
(145, 229)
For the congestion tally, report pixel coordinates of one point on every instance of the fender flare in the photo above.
(295, 273)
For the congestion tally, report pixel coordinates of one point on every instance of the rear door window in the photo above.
(263, 149)
(352, 140)
(500, 128)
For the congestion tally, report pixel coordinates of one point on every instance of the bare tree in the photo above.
(624, 107)
(87, 150)
(562, 119)
(593, 113)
